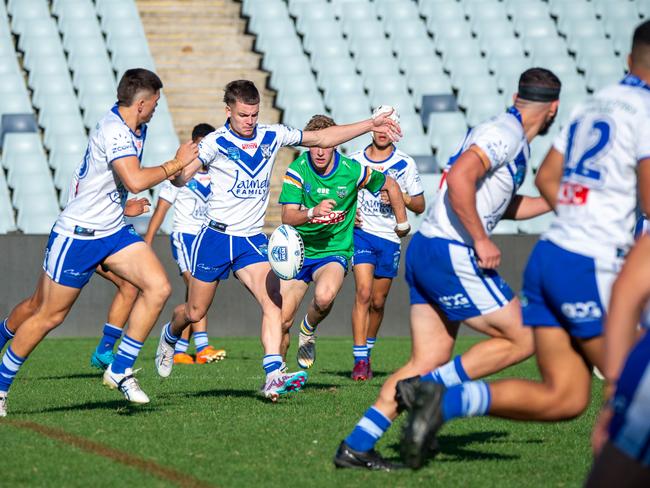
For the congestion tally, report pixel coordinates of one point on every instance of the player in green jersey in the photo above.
(319, 198)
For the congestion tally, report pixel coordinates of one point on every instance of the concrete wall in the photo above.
(234, 312)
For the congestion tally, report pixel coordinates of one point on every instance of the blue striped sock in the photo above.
(181, 346)
(360, 353)
(5, 334)
(469, 399)
(306, 328)
(450, 374)
(9, 367)
(368, 431)
(170, 338)
(272, 363)
(200, 340)
(127, 353)
(370, 343)
(110, 337)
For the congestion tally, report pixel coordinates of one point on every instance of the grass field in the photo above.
(206, 426)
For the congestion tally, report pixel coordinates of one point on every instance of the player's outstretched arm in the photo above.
(137, 179)
(293, 214)
(338, 134)
(549, 176)
(399, 208)
(162, 207)
(523, 207)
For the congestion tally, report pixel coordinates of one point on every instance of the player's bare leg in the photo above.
(292, 291)
(364, 285)
(328, 281)
(20, 313)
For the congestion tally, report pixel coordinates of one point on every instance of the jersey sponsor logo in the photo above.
(374, 206)
(247, 188)
(72, 272)
(572, 194)
(249, 145)
(334, 217)
(458, 300)
(582, 311)
(279, 253)
(323, 191)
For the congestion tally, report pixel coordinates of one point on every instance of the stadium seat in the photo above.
(485, 12)
(327, 74)
(344, 105)
(466, 49)
(62, 159)
(527, 9)
(331, 47)
(68, 143)
(445, 11)
(540, 27)
(379, 47)
(464, 73)
(37, 218)
(74, 9)
(36, 188)
(7, 221)
(619, 9)
(445, 126)
(470, 92)
(416, 145)
(560, 65)
(502, 47)
(482, 107)
(538, 46)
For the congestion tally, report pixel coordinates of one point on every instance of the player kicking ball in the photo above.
(319, 199)
(240, 158)
(376, 246)
(91, 231)
(451, 265)
(595, 176)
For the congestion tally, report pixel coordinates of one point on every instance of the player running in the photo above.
(319, 198)
(451, 261)
(376, 246)
(622, 433)
(240, 157)
(591, 176)
(91, 230)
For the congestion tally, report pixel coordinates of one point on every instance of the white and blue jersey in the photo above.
(96, 200)
(375, 242)
(190, 204)
(441, 265)
(596, 210)
(91, 227)
(241, 174)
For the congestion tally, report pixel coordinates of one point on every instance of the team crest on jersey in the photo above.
(341, 192)
(307, 188)
(233, 153)
(266, 150)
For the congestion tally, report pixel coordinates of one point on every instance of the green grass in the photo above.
(207, 421)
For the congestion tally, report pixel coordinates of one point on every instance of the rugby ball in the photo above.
(384, 109)
(286, 252)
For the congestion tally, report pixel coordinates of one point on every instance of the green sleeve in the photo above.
(292, 183)
(375, 181)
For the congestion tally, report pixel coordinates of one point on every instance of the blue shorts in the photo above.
(381, 253)
(71, 262)
(310, 266)
(629, 429)
(445, 273)
(565, 289)
(214, 254)
(182, 249)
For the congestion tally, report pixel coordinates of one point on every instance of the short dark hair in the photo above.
(319, 122)
(641, 45)
(243, 91)
(134, 81)
(201, 130)
(540, 80)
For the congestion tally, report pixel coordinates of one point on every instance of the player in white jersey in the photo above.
(598, 165)
(240, 157)
(621, 438)
(376, 246)
(91, 231)
(190, 206)
(451, 261)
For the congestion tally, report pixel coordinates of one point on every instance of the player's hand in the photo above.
(404, 230)
(384, 125)
(358, 220)
(489, 255)
(136, 206)
(187, 152)
(600, 435)
(324, 208)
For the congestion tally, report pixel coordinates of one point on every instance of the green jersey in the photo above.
(331, 234)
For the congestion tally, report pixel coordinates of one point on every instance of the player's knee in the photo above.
(323, 299)
(194, 314)
(525, 344)
(287, 323)
(363, 295)
(377, 303)
(129, 291)
(52, 320)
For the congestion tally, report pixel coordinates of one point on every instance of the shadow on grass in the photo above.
(455, 448)
(73, 376)
(121, 407)
(346, 374)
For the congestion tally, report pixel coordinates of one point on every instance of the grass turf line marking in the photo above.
(182, 479)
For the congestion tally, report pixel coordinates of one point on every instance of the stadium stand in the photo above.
(60, 61)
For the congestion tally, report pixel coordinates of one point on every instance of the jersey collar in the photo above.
(227, 125)
(633, 80)
(515, 111)
(378, 162)
(143, 127)
(336, 165)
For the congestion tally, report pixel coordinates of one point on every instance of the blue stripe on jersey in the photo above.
(251, 164)
(398, 166)
(201, 191)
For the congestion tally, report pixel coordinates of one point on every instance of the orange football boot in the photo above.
(183, 358)
(209, 355)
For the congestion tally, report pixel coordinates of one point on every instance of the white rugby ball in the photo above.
(384, 109)
(286, 252)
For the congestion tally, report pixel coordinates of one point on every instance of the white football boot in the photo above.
(164, 356)
(126, 383)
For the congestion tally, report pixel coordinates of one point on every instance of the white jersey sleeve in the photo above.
(288, 136)
(412, 180)
(643, 140)
(168, 192)
(208, 149)
(499, 144)
(118, 142)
